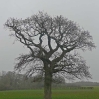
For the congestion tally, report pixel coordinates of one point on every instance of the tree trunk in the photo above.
(47, 84)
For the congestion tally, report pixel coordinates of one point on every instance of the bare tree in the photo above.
(52, 42)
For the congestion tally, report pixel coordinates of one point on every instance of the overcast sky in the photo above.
(84, 12)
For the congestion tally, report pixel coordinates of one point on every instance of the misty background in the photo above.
(83, 12)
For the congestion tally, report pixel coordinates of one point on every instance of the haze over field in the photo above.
(84, 12)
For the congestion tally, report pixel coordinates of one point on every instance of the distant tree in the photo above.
(7, 80)
(58, 79)
(52, 42)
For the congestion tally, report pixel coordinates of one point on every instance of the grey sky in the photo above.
(84, 12)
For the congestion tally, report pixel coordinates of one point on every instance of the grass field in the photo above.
(57, 94)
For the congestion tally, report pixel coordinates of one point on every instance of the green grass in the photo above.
(23, 94)
(57, 94)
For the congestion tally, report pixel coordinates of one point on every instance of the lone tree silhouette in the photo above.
(52, 42)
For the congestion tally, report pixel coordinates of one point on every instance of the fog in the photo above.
(83, 12)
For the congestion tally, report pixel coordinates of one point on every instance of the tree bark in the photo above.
(47, 84)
